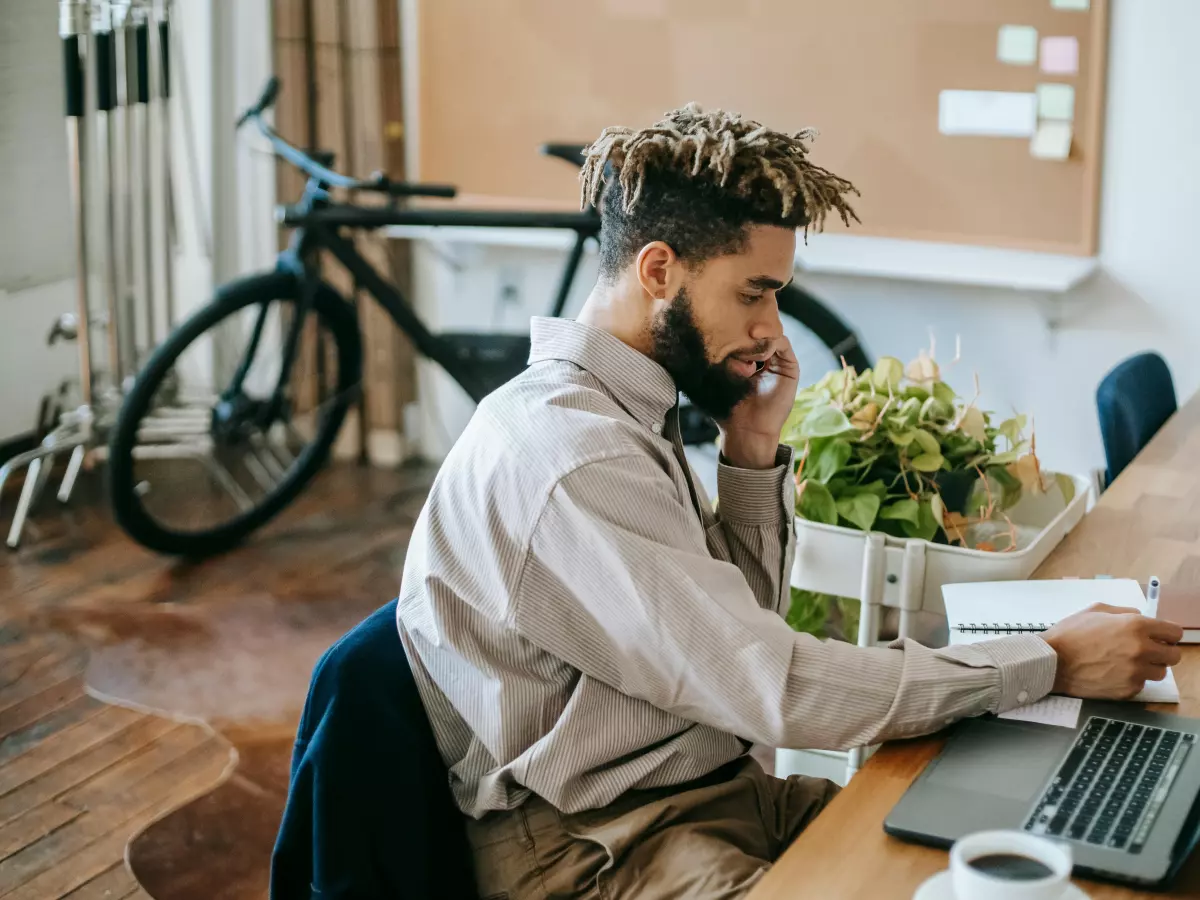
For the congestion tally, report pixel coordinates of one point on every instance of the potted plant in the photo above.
(894, 449)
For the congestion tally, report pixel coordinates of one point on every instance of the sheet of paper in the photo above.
(1165, 691)
(1052, 710)
(1060, 55)
(1071, 4)
(1052, 141)
(1056, 101)
(1030, 602)
(987, 113)
(1017, 45)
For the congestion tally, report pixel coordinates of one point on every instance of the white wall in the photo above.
(1037, 356)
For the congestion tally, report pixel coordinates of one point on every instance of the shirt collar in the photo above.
(637, 382)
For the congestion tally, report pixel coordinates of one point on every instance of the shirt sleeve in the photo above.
(619, 585)
(756, 511)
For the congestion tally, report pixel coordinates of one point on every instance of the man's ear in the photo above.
(656, 265)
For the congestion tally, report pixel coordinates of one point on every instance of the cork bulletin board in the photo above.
(495, 79)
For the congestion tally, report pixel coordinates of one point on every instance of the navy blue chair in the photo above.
(1134, 400)
(369, 813)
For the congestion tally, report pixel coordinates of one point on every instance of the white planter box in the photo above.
(899, 580)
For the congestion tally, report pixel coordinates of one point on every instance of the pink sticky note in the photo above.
(1060, 55)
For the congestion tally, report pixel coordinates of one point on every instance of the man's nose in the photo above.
(767, 326)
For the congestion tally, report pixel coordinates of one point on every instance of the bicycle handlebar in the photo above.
(305, 163)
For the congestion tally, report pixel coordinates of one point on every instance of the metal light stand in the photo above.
(74, 432)
(128, 45)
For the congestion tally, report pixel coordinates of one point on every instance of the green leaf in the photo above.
(917, 393)
(826, 457)
(877, 488)
(850, 610)
(1066, 484)
(816, 503)
(945, 393)
(926, 527)
(860, 510)
(887, 374)
(927, 462)
(1009, 484)
(1012, 428)
(927, 442)
(1010, 456)
(902, 438)
(824, 421)
(808, 611)
(907, 510)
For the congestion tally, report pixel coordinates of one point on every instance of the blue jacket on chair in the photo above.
(369, 812)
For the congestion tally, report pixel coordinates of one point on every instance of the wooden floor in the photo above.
(183, 766)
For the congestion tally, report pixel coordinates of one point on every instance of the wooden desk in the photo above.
(1146, 523)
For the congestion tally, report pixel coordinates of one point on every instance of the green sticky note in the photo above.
(1056, 101)
(1017, 45)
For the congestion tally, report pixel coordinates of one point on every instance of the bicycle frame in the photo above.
(318, 225)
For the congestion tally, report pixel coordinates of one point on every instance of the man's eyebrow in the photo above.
(766, 283)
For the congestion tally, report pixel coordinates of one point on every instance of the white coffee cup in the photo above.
(982, 867)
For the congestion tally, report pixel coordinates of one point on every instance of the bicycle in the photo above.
(256, 441)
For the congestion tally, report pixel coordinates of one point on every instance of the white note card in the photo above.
(1052, 141)
(1017, 45)
(1165, 691)
(1052, 710)
(987, 113)
(1071, 4)
(1056, 101)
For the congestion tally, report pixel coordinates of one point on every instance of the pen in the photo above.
(1152, 597)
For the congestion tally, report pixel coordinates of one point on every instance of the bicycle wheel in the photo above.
(203, 453)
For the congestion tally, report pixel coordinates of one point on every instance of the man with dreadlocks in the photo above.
(596, 648)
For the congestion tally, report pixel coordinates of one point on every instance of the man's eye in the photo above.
(751, 298)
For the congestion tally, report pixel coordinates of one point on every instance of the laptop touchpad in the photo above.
(1010, 761)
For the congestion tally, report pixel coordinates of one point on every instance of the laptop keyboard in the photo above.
(1112, 785)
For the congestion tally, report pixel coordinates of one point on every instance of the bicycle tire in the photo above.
(334, 313)
(828, 326)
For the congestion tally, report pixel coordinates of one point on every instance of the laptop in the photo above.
(1121, 788)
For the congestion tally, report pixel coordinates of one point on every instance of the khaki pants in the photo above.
(713, 838)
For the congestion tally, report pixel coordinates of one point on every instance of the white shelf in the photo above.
(836, 254)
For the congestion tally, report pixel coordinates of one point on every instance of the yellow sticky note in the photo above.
(1017, 45)
(1052, 140)
(1056, 101)
(1071, 4)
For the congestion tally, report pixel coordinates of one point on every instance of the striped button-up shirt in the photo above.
(581, 622)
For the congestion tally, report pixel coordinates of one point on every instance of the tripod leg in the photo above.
(72, 473)
(27, 492)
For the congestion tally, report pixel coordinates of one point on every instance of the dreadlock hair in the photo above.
(697, 180)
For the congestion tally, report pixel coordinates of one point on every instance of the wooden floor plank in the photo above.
(193, 774)
(17, 659)
(43, 674)
(20, 742)
(41, 704)
(80, 768)
(115, 884)
(105, 802)
(103, 723)
(33, 826)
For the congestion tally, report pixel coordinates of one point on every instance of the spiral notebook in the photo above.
(984, 611)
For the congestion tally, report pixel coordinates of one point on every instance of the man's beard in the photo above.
(679, 347)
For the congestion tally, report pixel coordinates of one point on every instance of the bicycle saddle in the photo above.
(572, 153)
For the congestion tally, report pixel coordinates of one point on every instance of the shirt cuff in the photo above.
(754, 496)
(1027, 666)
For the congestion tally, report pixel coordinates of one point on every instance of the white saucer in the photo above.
(939, 888)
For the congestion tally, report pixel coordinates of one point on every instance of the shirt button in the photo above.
(1023, 696)
(656, 428)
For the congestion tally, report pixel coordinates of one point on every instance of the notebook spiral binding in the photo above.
(1001, 627)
